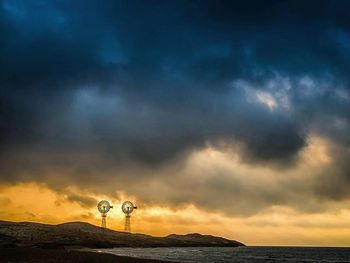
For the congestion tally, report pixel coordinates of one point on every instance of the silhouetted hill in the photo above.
(79, 234)
(209, 240)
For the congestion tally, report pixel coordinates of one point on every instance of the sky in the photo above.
(229, 118)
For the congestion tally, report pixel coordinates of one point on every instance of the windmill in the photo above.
(127, 208)
(103, 207)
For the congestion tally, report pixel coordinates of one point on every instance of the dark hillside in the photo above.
(79, 234)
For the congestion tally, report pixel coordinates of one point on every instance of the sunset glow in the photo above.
(217, 117)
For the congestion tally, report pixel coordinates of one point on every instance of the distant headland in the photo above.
(85, 235)
(41, 243)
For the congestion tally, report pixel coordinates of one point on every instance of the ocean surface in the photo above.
(239, 254)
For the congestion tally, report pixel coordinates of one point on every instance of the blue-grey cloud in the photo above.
(146, 82)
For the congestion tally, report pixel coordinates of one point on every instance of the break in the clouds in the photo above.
(123, 95)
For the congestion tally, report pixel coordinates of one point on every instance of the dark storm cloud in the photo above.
(84, 201)
(88, 86)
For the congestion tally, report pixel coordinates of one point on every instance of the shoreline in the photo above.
(40, 255)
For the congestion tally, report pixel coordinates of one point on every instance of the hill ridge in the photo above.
(83, 234)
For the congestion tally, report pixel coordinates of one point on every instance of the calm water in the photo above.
(240, 254)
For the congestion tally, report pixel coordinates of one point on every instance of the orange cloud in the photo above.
(278, 225)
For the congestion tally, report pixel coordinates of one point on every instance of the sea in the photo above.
(237, 254)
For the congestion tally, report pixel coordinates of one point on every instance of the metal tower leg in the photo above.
(127, 227)
(103, 223)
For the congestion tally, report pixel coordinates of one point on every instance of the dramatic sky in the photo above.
(224, 117)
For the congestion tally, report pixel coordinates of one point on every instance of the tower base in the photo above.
(127, 227)
(103, 223)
